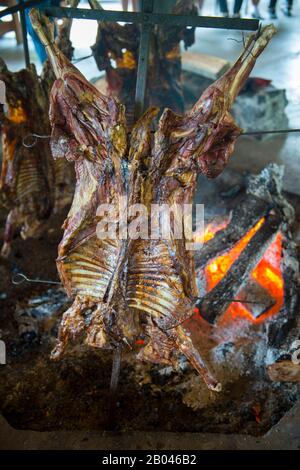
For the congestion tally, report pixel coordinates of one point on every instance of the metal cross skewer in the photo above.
(114, 380)
(147, 18)
(20, 278)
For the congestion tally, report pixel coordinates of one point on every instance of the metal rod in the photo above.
(20, 278)
(115, 375)
(279, 131)
(255, 302)
(243, 24)
(24, 34)
(141, 81)
(20, 7)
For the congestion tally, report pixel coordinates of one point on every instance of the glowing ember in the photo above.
(267, 272)
(17, 114)
(127, 61)
(210, 231)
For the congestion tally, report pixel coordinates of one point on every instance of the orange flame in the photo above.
(267, 273)
(127, 61)
(17, 114)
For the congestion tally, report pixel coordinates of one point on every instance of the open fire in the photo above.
(267, 274)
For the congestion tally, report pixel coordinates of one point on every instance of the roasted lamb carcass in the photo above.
(128, 287)
(27, 176)
(116, 51)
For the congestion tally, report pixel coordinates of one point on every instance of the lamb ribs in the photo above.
(126, 289)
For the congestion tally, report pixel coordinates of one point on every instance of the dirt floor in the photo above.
(38, 394)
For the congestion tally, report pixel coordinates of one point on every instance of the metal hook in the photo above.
(241, 41)
(19, 278)
(28, 146)
(35, 137)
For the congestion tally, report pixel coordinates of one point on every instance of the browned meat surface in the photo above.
(65, 45)
(128, 289)
(63, 173)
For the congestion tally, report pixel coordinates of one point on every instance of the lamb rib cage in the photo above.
(90, 129)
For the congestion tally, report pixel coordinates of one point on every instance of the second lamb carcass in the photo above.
(32, 184)
(27, 173)
(123, 287)
(116, 51)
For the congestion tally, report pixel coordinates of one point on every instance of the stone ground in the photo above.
(285, 435)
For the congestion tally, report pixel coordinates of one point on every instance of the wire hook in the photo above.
(33, 142)
(20, 278)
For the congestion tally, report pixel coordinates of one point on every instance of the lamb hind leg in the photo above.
(72, 326)
(163, 345)
(185, 345)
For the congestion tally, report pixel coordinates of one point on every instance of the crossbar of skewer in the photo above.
(30, 140)
(147, 18)
(20, 278)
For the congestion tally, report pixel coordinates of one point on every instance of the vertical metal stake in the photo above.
(24, 33)
(115, 374)
(141, 81)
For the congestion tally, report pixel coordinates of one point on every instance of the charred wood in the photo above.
(215, 303)
(244, 217)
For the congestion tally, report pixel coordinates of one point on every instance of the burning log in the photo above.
(213, 304)
(116, 51)
(124, 288)
(257, 298)
(244, 217)
(266, 290)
